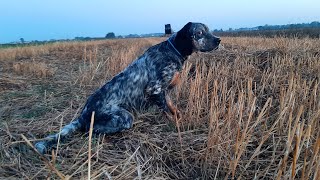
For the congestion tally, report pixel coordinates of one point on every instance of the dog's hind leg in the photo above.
(113, 120)
(49, 141)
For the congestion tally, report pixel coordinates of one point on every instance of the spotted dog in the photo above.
(144, 83)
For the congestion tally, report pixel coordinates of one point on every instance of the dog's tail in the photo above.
(49, 141)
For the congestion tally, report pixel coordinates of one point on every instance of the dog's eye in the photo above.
(199, 33)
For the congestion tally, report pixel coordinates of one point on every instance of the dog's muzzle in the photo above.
(217, 41)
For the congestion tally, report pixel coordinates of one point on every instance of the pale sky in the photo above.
(60, 19)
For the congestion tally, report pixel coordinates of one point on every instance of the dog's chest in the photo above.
(175, 80)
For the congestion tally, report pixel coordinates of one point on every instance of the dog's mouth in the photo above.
(219, 47)
(211, 50)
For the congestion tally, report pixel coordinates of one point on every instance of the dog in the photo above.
(145, 82)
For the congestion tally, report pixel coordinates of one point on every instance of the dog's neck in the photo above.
(180, 46)
(175, 49)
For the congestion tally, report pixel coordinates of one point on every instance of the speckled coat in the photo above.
(145, 82)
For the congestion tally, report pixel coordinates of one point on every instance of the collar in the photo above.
(175, 49)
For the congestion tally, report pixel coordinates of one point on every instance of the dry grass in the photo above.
(250, 111)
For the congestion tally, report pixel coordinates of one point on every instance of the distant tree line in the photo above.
(311, 30)
(314, 24)
(110, 35)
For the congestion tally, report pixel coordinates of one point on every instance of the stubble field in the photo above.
(249, 110)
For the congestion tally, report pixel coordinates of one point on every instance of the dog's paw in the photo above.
(174, 115)
(41, 147)
(177, 114)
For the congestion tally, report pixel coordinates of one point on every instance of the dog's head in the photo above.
(195, 37)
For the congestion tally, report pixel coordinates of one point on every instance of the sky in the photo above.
(62, 19)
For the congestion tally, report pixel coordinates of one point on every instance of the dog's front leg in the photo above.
(172, 108)
(164, 102)
(157, 91)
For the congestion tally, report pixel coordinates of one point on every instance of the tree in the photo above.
(315, 24)
(22, 40)
(110, 35)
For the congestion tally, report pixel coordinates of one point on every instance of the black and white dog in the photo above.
(144, 83)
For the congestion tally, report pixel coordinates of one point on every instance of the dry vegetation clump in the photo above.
(249, 110)
(10, 84)
(33, 68)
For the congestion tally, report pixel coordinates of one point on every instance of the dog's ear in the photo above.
(183, 40)
(186, 29)
(188, 24)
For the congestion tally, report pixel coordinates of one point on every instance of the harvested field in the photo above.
(250, 110)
